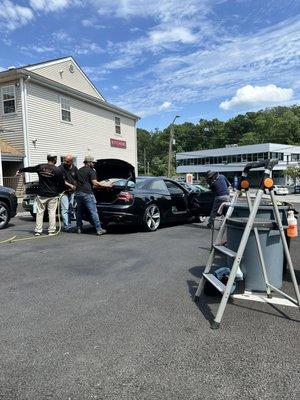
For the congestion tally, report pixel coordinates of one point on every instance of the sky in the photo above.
(161, 58)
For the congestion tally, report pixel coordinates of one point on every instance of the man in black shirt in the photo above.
(218, 184)
(49, 187)
(69, 172)
(86, 181)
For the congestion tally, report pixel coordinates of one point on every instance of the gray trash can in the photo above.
(265, 211)
(272, 250)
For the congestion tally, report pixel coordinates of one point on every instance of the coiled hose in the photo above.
(14, 239)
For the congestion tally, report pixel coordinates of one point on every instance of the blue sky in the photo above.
(159, 58)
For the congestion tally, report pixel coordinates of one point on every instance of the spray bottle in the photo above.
(292, 230)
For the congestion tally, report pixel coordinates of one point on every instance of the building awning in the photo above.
(10, 153)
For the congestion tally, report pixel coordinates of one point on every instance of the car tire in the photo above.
(33, 215)
(4, 215)
(151, 218)
(200, 219)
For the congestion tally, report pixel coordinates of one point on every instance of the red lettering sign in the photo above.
(121, 144)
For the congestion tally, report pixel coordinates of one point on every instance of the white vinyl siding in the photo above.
(65, 109)
(8, 99)
(89, 134)
(12, 122)
(62, 72)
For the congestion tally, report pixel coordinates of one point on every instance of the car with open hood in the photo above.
(147, 201)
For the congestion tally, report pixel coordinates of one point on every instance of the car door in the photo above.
(201, 202)
(179, 202)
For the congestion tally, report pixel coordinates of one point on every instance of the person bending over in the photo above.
(219, 184)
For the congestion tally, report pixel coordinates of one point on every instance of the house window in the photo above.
(118, 125)
(9, 99)
(65, 107)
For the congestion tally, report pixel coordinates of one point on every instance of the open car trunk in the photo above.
(118, 172)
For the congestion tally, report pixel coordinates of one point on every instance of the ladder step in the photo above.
(225, 250)
(215, 282)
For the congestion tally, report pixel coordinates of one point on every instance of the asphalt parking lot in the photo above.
(112, 317)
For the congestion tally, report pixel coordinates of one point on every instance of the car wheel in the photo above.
(151, 218)
(4, 215)
(33, 215)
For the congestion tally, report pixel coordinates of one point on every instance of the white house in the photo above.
(53, 106)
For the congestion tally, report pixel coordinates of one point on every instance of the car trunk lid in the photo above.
(122, 176)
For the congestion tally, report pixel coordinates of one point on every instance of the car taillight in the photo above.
(125, 196)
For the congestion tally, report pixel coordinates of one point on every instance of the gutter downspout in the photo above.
(25, 125)
(1, 170)
(136, 150)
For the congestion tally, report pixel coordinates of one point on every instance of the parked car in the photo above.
(8, 205)
(29, 198)
(147, 201)
(296, 189)
(280, 190)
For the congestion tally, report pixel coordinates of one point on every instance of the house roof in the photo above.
(26, 72)
(6, 148)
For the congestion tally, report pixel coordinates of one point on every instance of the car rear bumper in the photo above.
(118, 214)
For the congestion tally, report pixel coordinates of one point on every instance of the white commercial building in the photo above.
(53, 106)
(231, 160)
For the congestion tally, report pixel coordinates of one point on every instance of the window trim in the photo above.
(61, 109)
(119, 125)
(2, 100)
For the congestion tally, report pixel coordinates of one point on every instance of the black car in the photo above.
(8, 205)
(147, 201)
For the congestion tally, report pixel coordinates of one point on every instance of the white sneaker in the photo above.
(51, 233)
(37, 234)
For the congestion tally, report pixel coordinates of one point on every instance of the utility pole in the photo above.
(145, 161)
(170, 160)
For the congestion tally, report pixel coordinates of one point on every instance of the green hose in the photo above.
(14, 239)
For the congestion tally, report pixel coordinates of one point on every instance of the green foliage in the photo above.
(293, 173)
(272, 125)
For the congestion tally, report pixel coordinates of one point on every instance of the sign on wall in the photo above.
(121, 144)
(189, 178)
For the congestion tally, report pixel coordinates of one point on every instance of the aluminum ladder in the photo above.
(266, 183)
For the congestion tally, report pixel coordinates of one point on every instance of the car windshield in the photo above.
(140, 182)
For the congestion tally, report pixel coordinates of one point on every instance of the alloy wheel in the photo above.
(153, 217)
(3, 216)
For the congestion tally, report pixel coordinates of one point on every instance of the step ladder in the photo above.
(266, 184)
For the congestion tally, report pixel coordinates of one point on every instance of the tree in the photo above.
(293, 173)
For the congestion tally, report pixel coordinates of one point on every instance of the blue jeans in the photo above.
(66, 205)
(88, 202)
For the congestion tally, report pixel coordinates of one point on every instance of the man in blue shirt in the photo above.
(219, 185)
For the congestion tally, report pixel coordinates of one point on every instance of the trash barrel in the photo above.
(272, 249)
(265, 211)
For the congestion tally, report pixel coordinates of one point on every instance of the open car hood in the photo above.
(113, 168)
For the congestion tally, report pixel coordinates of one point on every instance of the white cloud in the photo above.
(165, 105)
(92, 23)
(216, 71)
(40, 49)
(61, 36)
(12, 16)
(49, 5)
(87, 47)
(257, 95)
(174, 34)
(115, 87)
